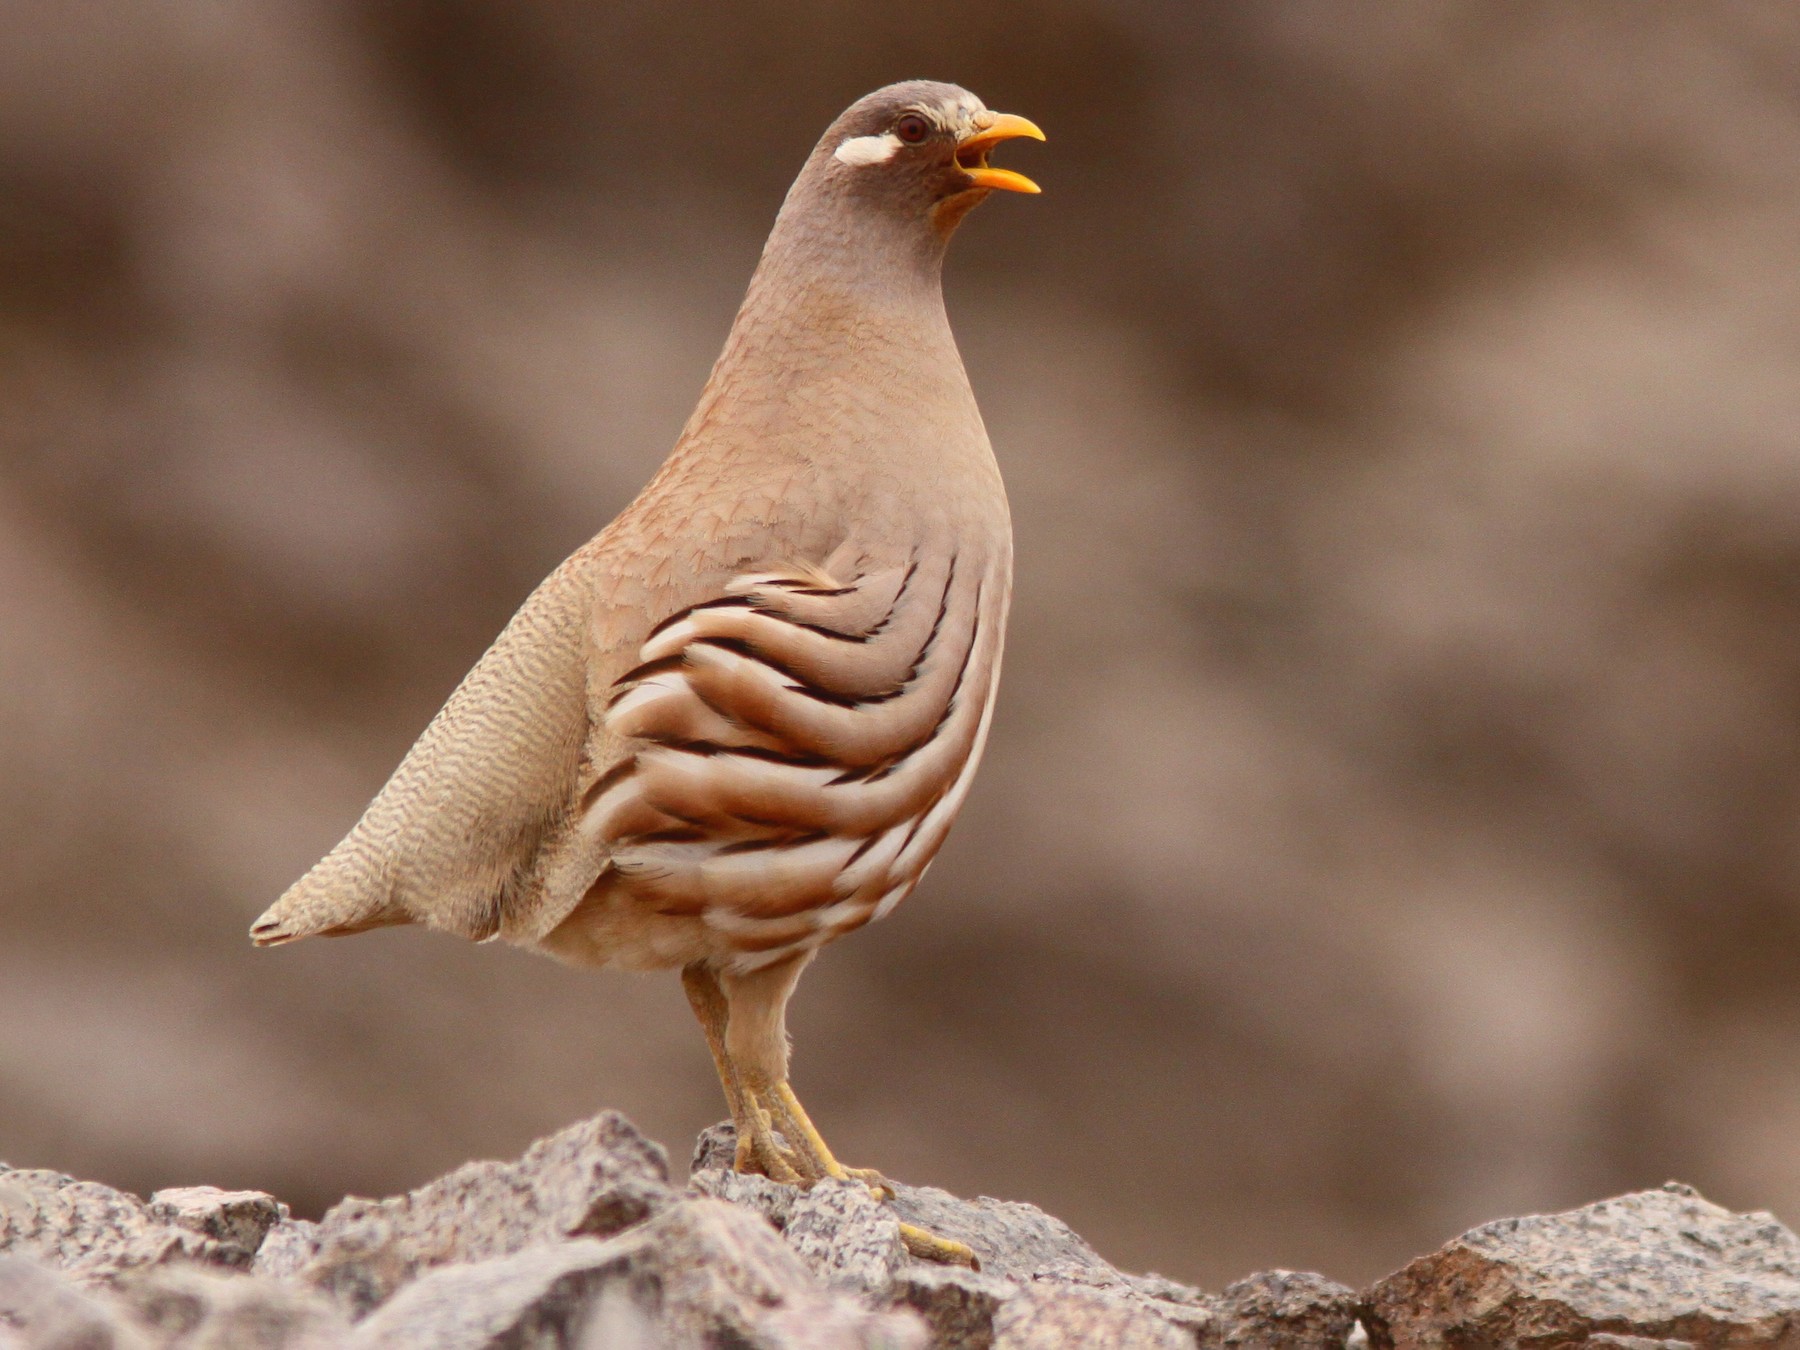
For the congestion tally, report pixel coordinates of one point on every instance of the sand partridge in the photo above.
(737, 724)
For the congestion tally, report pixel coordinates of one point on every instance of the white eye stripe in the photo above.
(861, 150)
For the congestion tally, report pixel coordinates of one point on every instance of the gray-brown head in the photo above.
(897, 171)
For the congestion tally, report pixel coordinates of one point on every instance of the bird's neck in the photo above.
(838, 269)
(844, 317)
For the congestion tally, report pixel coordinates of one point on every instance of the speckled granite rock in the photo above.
(584, 1242)
(1631, 1273)
(593, 1179)
(701, 1272)
(97, 1234)
(1052, 1316)
(1281, 1310)
(1025, 1254)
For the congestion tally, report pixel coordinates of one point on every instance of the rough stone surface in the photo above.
(700, 1273)
(1049, 1317)
(958, 1305)
(200, 1309)
(1655, 1266)
(541, 1296)
(590, 1180)
(846, 1237)
(1011, 1239)
(96, 1233)
(178, 1305)
(287, 1248)
(583, 1243)
(1281, 1310)
(44, 1311)
(237, 1221)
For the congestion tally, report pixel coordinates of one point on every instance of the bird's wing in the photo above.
(796, 747)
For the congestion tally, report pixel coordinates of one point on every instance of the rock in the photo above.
(541, 1296)
(1012, 1239)
(591, 1180)
(44, 1311)
(176, 1307)
(768, 1198)
(237, 1221)
(958, 1305)
(582, 1243)
(200, 1309)
(286, 1249)
(1282, 1310)
(701, 1272)
(1655, 1266)
(96, 1233)
(1022, 1250)
(846, 1237)
(1052, 1317)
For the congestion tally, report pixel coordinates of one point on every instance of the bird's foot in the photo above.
(800, 1156)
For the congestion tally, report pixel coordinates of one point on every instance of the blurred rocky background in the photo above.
(1393, 819)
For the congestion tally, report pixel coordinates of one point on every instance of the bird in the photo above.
(737, 724)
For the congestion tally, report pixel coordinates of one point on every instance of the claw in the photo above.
(880, 1185)
(928, 1246)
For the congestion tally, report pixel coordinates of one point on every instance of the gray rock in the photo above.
(195, 1308)
(96, 1233)
(1282, 1310)
(1054, 1317)
(581, 1243)
(958, 1305)
(768, 1198)
(715, 1149)
(1663, 1265)
(593, 1179)
(846, 1237)
(1010, 1238)
(543, 1296)
(286, 1249)
(1021, 1249)
(42, 1310)
(700, 1273)
(237, 1221)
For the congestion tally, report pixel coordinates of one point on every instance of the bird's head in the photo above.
(920, 150)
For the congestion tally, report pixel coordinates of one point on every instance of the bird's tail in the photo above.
(347, 891)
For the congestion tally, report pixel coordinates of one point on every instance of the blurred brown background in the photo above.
(1391, 819)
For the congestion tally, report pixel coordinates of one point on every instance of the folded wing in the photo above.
(797, 748)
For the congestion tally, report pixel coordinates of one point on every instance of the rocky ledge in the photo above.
(585, 1243)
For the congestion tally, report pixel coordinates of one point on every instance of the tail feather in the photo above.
(346, 892)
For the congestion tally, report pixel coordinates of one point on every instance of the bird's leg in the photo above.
(757, 1150)
(755, 1051)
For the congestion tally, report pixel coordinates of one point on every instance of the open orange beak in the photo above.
(972, 152)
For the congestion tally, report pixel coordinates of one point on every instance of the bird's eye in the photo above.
(912, 129)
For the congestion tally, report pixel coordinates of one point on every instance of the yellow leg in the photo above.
(757, 1150)
(761, 1105)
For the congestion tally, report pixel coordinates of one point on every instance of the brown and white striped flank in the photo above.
(804, 745)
